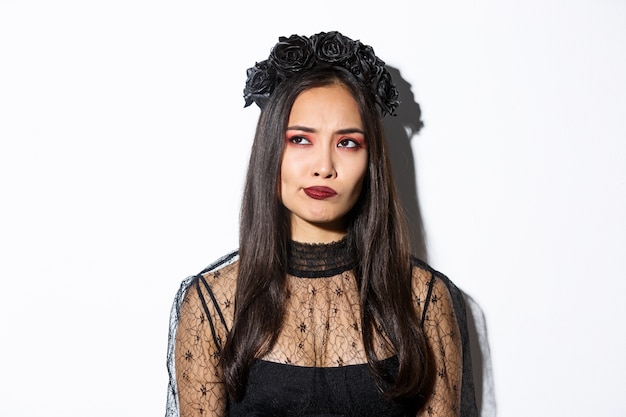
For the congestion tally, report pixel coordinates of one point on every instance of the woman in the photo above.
(322, 311)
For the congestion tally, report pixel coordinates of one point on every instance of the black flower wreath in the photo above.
(296, 53)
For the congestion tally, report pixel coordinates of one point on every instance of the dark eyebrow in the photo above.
(302, 128)
(341, 131)
(350, 130)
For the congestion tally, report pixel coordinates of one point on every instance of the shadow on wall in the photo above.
(400, 130)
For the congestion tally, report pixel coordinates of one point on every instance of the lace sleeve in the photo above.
(198, 377)
(443, 336)
(196, 330)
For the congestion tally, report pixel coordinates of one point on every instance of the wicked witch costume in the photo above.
(324, 313)
(318, 364)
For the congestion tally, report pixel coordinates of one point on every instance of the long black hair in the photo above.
(375, 230)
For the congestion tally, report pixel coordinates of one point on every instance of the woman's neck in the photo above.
(319, 260)
(317, 233)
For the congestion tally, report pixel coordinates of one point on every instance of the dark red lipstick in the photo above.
(320, 193)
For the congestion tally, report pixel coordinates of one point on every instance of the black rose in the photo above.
(291, 55)
(385, 91)
(298, 53)
(333, 47)
(260, 84)
(363, 63)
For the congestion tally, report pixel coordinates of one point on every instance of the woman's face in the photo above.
(323, 164)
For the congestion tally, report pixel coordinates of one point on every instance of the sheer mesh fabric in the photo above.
(321, 332)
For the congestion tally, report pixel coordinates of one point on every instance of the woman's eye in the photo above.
(299, 140)
(347, 143)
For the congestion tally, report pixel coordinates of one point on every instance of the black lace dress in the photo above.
(318, 365)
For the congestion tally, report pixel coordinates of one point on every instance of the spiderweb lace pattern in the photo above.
(321, 331)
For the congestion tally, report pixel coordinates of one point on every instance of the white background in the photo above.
(124, 143)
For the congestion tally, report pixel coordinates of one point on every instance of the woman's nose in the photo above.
(323, 165)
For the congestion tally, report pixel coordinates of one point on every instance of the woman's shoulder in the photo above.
(430, 285)
(223, 264)
(425, 275)
(224, 267)
(215, 283)
(222, 271)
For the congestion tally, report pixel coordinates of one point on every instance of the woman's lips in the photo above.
(320, 193)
